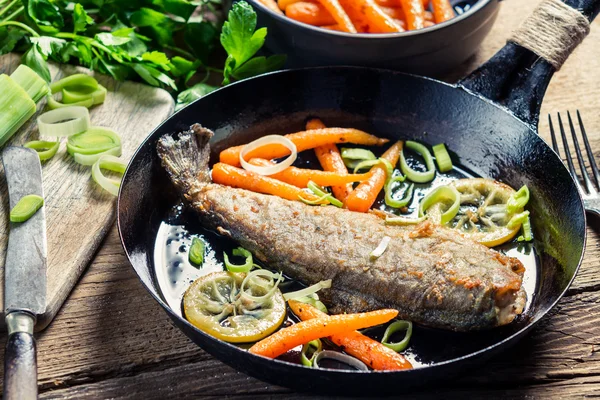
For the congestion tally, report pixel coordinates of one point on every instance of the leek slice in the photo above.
(393, 328)
(26, 207)
(110, 163)
(93, 141)
(91, 159)
(53, 104)
(518, 200)
(245, 267)
(442, 157)
(314, 301)
(406, 198)
(74, 80)
(307, 291)
(65, 121)
(323, 195)
(313, 348)
(527, 235)
(442, 194)
(417, 176)
(196, 253)
(404, 221)
(46, 150)
(71, 95)
(352, 157)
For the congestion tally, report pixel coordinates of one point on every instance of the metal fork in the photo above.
(589, 192)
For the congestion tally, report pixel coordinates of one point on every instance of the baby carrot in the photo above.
(369, 351)
(309, 13)
(367, 15)
(334, 27)
(442, 11)
(365, 194)
(240, 178)
(284, 3)
(413, 13)
(303, 332)
(303, 140)
(300, 177)
(271, 5)
(331, 160)
(339, 15)
(394, 12)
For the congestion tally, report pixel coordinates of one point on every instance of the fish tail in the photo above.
(186, 158)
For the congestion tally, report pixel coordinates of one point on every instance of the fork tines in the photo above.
(587, 183)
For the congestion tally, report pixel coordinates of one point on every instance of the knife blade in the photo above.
(24, 275)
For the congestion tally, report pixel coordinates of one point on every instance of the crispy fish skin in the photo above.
(431, 274)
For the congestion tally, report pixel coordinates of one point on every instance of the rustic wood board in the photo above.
(78, 212)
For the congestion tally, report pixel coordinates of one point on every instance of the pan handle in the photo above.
(517, 78)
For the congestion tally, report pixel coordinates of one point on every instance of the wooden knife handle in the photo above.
(20, 361)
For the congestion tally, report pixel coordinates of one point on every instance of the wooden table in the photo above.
(112, 340)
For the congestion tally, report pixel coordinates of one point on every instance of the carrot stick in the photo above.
(368, 15)
(394, 12)
(303, 332)
(284, 3)
(331, 160)
(303, 140)
(334, 27)
(300, 176)
(428, 15)
(309, 13)
(413, 13)
(337, 12)
(442, 11)
(367, 350)
(426, 3)
(365, 194)
(240, 178)
(271, 5)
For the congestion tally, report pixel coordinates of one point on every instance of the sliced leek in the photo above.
(31, 82)
(196, 253)
(442, 157)
(65, 121)
(443, 195)
(404, 220)
(307, 291)
(93, 141)
(46, 150)
(110, 163)
(26, 207)
(413, 175)
(16, 105)
(74, 80)
(352, 157)
(518, 200)
(240, 252)
(406, 198)
(393, 328)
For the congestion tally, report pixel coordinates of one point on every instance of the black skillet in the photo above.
(489, 122)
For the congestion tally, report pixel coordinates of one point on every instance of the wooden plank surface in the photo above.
(111, 339)
(78, 212)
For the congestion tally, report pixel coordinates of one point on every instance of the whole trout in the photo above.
(431, 274)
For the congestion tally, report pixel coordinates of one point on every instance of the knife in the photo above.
(24, 275)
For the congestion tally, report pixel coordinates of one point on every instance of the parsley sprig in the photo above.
(166, 43)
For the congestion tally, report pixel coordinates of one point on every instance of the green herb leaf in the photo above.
(81, 19)
(179, 66)
(259, 65)
(153, 76)
(194, 93)
(108, 39)
(159, 25)
(48, 45)
(201, 38)
(238, 36)
(34, 60)
(9, 38)
(45, 15)
(181, 8)
(157, 58)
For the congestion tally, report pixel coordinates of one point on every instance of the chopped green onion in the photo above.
(65, 121)
(112, 164)
(416, 176)
(313, 348)
(518, 200)
(91, 159)
(517, 220)
(31, 82)
(527, 235)
(442, 157)
(404, 221)
(307, 291)
(26, 207)
(346, 359)
(381, 247)
(323, 200)
(196, 253)
(241, 252)
(16, 105)
(442, 194)
(390, 201)
(74, 80)
(352, 157)
(319, 191)
(393, 328)
(314, 301)
(93, 141)
(46, 150)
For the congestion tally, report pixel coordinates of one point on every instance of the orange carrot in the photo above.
(365, 194)
(442, 11)
(240, 178)
(284, 3)
(367, 350)
(303, 332)
(309, 13)
(300, 177)
(413, 13)
(426, 3)
(429, 23)
(331, 160)
(428, 15)
(394, 12)
(337, 12)
(303, 140)
(271, 5)
(367, 15)
(401, 23)
(334, 27)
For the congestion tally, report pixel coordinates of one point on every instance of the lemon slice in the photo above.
(483, 215)
(215, 304)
